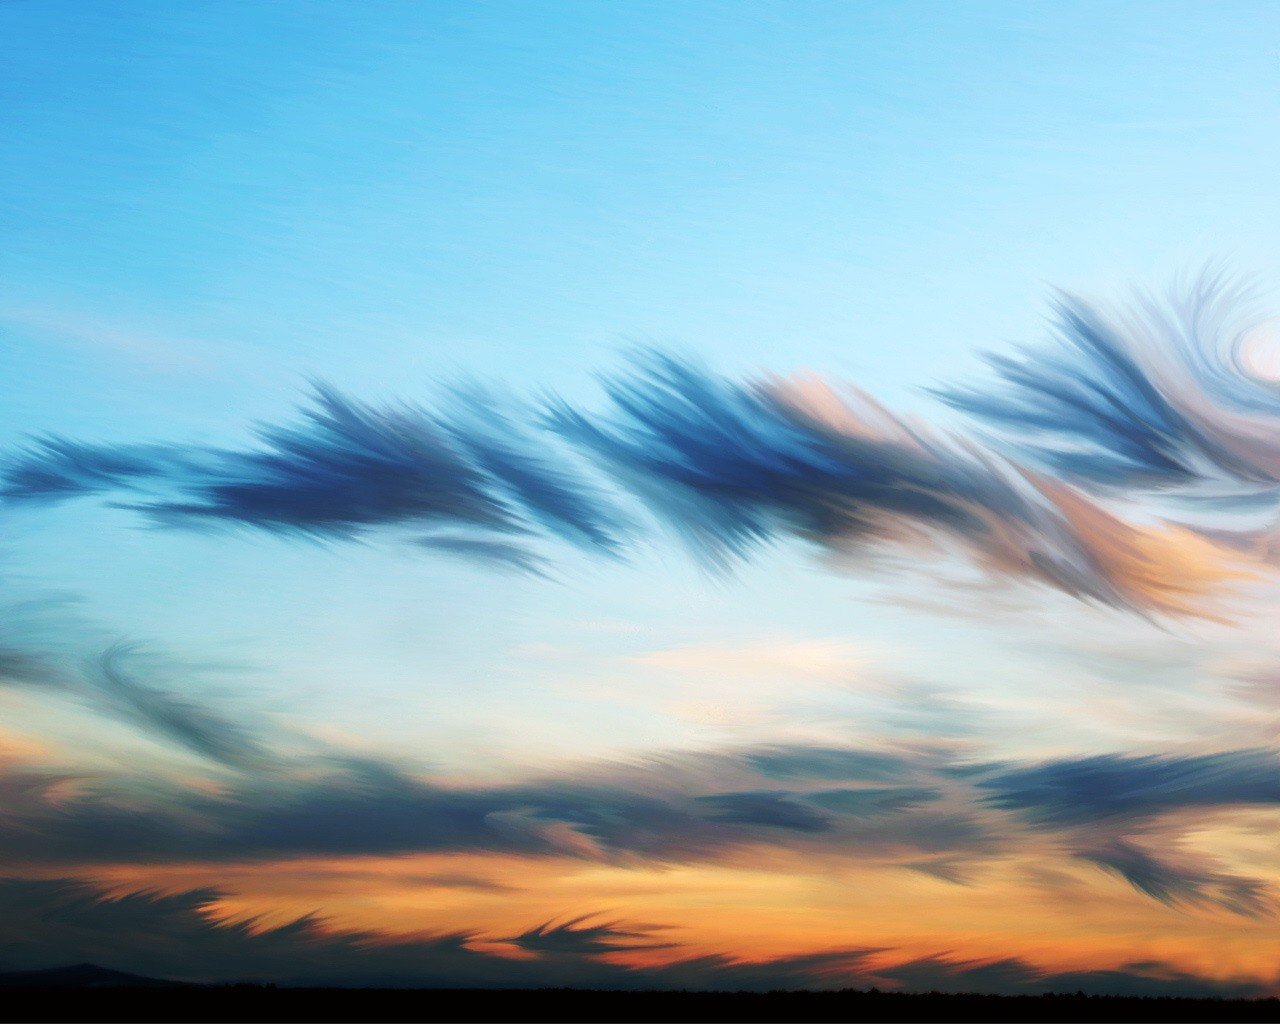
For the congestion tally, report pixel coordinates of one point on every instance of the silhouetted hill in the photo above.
(79, 976)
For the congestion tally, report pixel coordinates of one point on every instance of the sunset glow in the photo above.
(612, 496)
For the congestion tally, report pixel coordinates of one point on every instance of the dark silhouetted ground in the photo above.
(90, 994)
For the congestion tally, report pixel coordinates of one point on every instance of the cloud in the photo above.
(462, 880)
(832, 764)
(912, 808)
(56, 468)
(343, 469)
(732, 467)
(583, 936)
(116, 678)
(47, 923)
(1108, 809)
(868, 802)
(1117, 787)
(682, 808)
(46, 647)
(767, 810)
(53, 922)
(499, 554)
(1014, 976)
(735, 466)
(1184, 883)
(1167, 394)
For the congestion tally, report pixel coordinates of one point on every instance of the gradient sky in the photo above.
(1007, 734)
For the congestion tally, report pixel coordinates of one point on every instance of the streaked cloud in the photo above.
(733, 467)
(903, 807)
(343, 469)
(1117, 786)
(47, 647)
(1173, 392)
(587, 935)
(46, 923)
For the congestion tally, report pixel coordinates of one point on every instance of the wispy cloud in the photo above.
(900, 807)
(1119, 786)
(46, 923)
(345, 468)
(587, 935)
(736, 466)
(46, 646)
(1167, 393)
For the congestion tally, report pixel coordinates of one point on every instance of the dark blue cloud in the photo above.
(735, 467)
(836, 764)
(500, 554)
(681, 809)
(730, 466)
(346, 468)
(587, 935)
(1183, 884)
(868, 802)
(1111, 809)
(1014, 976)
(767, 810)
(55, 468)
(1116, 786)
(1114, 424)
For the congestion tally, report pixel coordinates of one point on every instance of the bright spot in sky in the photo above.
(1258, 351)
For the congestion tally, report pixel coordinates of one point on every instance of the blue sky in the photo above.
(207, 206)
(392, 191)
(211, 206)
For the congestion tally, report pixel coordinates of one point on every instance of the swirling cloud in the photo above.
(45, 647)
(1166, 394)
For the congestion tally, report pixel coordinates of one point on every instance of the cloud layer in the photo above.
(1095, 443)
(1124, 403)
(909, 808)
(46, 923)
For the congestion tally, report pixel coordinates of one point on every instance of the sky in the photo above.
(641, 495)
